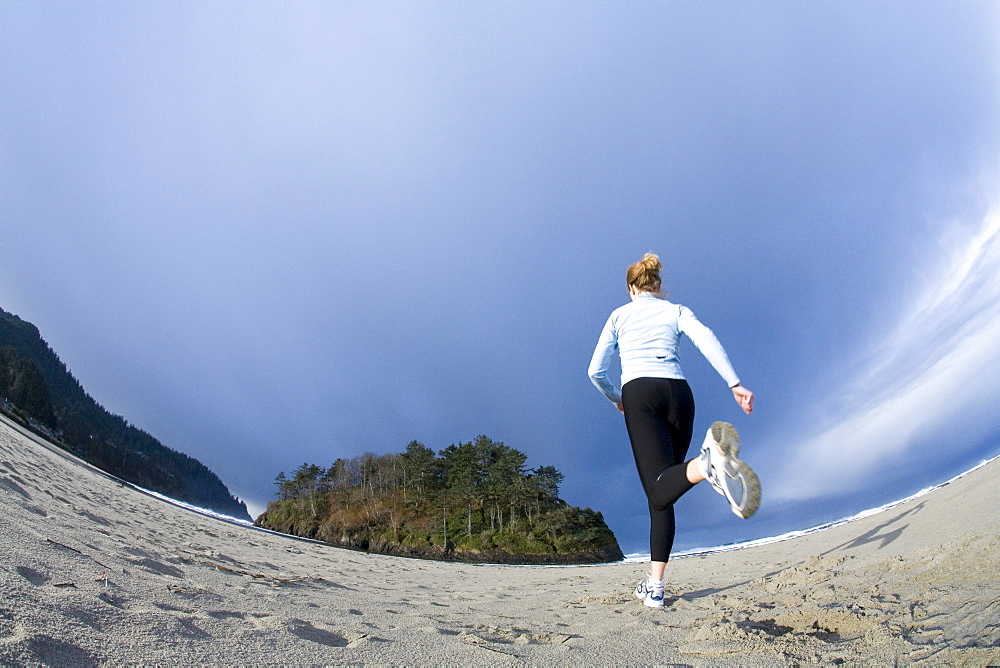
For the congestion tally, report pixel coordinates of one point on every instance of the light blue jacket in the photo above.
(646, 333)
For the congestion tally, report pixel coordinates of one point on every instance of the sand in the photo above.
(95, 572)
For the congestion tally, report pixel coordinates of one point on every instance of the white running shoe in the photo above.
(731, 477)
(651, 593)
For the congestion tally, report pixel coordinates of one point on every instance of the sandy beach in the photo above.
(94, 572)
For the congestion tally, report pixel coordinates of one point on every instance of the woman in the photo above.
(659, 411)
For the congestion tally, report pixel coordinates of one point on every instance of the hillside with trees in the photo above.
(37, 389)
(472, 501)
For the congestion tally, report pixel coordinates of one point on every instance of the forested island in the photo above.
(473, 501)
(38, 390)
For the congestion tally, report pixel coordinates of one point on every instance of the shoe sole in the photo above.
(737, 469)
(727, 438)
(728, 441)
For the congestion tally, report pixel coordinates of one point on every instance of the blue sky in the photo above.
(276, 233)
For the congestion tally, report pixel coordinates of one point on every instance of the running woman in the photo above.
(659, 411)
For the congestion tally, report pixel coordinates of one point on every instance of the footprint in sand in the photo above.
(12, 486)
(31, 575)
(307, 631)
(509, 636)
(45, 650)
(157, 567)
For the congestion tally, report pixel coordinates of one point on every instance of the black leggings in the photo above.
(659, 415)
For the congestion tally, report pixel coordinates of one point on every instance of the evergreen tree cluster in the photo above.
(481, 476)
(471, 501)
(23, 387)
(41, 391)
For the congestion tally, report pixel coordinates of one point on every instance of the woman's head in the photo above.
(644, 275)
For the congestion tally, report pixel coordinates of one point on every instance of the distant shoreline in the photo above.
(638, 557)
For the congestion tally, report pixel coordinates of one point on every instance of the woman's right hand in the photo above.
(744, 398)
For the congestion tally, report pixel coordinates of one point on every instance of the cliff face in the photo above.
(43, 393)
(474, 502)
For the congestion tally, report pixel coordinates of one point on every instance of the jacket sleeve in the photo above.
(606, 348)
(706, 342)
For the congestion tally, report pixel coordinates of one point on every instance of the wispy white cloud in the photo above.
(930, 384)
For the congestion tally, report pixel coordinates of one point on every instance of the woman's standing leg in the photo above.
(659, 415)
